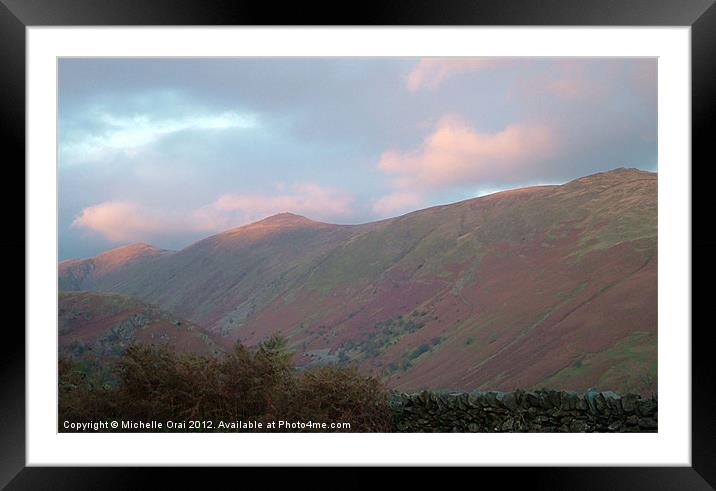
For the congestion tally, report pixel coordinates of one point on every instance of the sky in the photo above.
(169, 151)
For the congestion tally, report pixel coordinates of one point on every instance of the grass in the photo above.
(632, 361)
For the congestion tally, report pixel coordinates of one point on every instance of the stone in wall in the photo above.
(523, 411)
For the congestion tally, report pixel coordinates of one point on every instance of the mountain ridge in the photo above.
(547, 284)
(293, 219)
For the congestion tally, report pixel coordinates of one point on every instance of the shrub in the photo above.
(258, 384)
(82, 394)
(423, 348)
(341, 394)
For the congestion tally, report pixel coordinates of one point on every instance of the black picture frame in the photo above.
(16, 15)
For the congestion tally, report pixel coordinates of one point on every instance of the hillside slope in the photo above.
(545, 286)
(83, 274)
(104, 324)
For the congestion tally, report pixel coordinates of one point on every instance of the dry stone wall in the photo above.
(523, 411)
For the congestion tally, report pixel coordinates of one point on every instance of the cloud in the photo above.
(396, 203)
(119, 221)
(173, 135)
(568, 78)
(127, 134)
(431, 72)
(309, 199)
(573, 87)
(565, 80)
(457, 154)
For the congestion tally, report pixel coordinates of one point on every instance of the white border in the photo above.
(671, 446)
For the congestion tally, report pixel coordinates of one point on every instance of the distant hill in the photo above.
(82, 274)
(551, 286)
(104, 324)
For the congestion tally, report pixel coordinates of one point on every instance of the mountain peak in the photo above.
(81, 273)
(132, 249)
(269, 225)
(615, 175)
(286, 218)
(136, 246)
(125, 251)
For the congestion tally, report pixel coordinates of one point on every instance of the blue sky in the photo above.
(168, 151)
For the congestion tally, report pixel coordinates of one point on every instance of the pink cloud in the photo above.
(396, 203)
(119, 221)
(123, 222)
(305, 198)
(571, 87)
(570, 79)
(455, 153)
(431, 72)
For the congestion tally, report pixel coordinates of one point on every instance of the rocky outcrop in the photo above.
(523, 411)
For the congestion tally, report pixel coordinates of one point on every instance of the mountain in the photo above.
(82, 274)
(551, 286)
(104, 324)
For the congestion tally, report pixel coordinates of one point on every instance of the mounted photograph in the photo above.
(357, 244)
